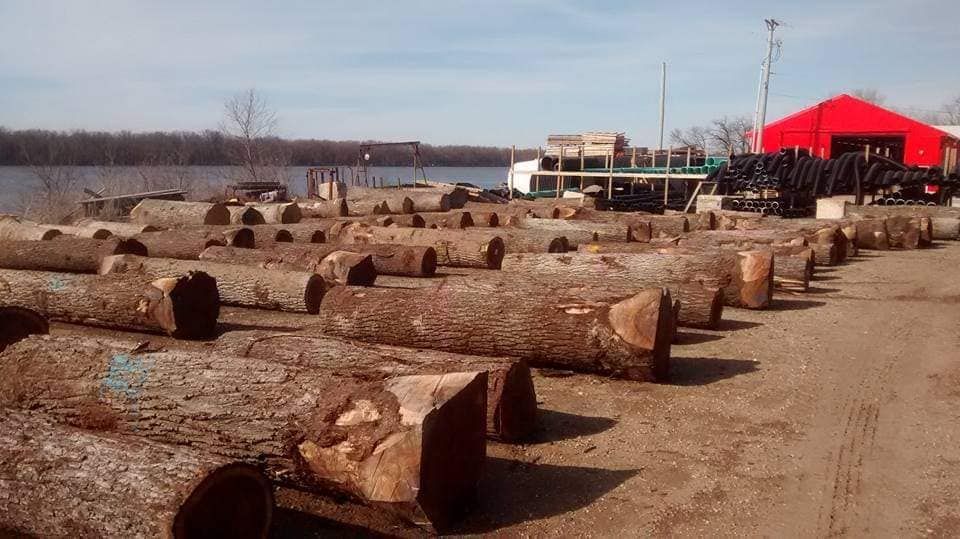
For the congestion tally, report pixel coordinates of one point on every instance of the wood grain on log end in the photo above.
(235, 500)
(187, 307)
(282, 236)
(245, 215)
(558, 245)
(515, 416)
(756, 272)
(645, 321)
(494, 251)
(18, 322)
(240, 237)
(348, 268)
(218, 214)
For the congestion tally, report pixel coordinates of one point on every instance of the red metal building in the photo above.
(845, 123)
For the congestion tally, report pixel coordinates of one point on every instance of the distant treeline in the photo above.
(186, 148)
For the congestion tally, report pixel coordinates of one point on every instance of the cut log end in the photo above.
(17, 322)
(189, 305)
(516, 414)
(242, 237)
(318, 236)
(235, 500)
(313, 294)
(558, 245)
(217, 214)
(495, 250)
(645, 321)
(756, 270)
(50, 234)
(130, 247)
(347, 268)
(283, 236)
(428, 262)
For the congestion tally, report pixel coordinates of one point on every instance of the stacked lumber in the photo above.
(589, 144)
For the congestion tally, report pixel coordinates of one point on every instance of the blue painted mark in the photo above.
(125, 377)
(57, 284)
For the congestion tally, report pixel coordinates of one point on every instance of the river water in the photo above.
(18, 183)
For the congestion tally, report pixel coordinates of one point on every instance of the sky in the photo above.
(488, 72)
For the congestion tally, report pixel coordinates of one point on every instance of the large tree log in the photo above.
(616, 276)
(245, 286)
(280, 214)
(945, 228)
(511, 398)
(324, 208)
(304, 232)
(662, 226)
(450, 219)
(245, 215)
(83, 232)
(370, 207)
(17, 322)
(346, 268)
(430, 200)
(411, 444)
(903, 232)
(180, 244)
(172, 213)
(514, 240)
(118, 229)
(472, 248)
(65, 253)
(578, 232)
(548, 328)
(12, 228)
(413, 220)
(61, 481)
(185, 306)
(485, 218)
(387, 200)
(403, 260)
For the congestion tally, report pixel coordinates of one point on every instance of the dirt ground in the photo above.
(834, 413)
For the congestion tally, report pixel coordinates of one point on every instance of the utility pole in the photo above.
(663, 101)
(760, 116)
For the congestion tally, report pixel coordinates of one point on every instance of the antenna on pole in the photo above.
(760, 115)
(663, 100)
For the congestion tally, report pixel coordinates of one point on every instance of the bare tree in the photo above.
(870, 95)
(695, 136)
(53, 163)
(249, 127)
(730, 134)
(951, 112)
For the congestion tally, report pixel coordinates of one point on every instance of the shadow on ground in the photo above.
(692, 337)
(226, 327)
(734, 325)
(553, 426)
(293, 524)
(779, 304)
(699, 371)
(512, 492)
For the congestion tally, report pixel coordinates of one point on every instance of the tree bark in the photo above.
(549, 328)
(173, 214)
(945, 228)
(324, 208)
(578, 232)
(387, 200)
(361, 207)
(429, 200)
(85, 232)
(485, 219)
(412, 220)
(872, 234)
(185, 306)
(346, 268)
(403, 260)
(511, 398)
(237, 285)
(65, 253)
(68, 482)
(739, 220)
(245, 215)
(280, 214)
(473, 248)
(663, 226)
(700, 306)
(903, 232)
(17, 322)
(411, 444)
(179, 244)
(304, 232)
(118, 229)
(12, 228)
(450, 219)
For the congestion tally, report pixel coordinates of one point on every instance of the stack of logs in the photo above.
(427, 312)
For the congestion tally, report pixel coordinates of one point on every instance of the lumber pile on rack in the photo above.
(590, 144)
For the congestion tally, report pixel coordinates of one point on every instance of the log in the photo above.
(700, 306)
(17, 322)
(413, 220)
(403, 260)
(705, 220)
(903, 232)
(12, 228)
(429, 200)
(346, 268)
(926, 231)
(65, 253)
(304, 232)
(237, 285)
(370, 207)
(413, 445)
(384, 201)
(185, 305)
(118, 229)
(849, 230)
(872, 234)
(511, 398)
(179, 244)
(739, 220)
(324, 208)
(173, 213)
(629, 338)
(245, 215)
(485, 218)
(450, 219)
(83, 232)
(473, 248)
(664, 226)
(945, 228)
(578, 232)
(61, 481)
(282, 213)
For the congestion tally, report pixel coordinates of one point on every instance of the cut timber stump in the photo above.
(472, 248)
(280, 214)
(324, 208)
(700, 306)
(17, 322)
(346, 268)
(511, 398)
(180, 244)
(60, 480)
(183, 305)
(629, 338)
(413, 445)
(12, 228)
(172, 213)
(118, 229)
(237, 285)
(402, 260)
(65, 253)
(245, 215)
